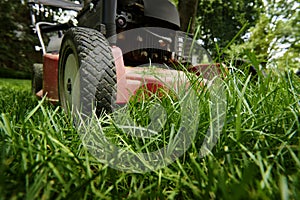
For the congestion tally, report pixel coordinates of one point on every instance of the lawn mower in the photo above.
(99, 57)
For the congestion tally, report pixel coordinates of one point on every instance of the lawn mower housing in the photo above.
(103, 33)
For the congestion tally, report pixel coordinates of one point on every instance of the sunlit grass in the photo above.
(256, 157)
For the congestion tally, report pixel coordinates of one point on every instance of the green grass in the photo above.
(256, 157)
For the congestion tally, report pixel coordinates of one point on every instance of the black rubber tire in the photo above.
(298, 72)
(37, 78)
(245, 66)
(96, 71)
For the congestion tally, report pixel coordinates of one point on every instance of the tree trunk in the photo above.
(188, 11)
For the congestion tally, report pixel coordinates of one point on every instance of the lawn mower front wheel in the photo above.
(86, 73)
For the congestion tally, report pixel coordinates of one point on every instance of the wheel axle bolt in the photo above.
(69, 86)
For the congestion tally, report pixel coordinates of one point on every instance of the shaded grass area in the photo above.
(11, 73)
(256, 157)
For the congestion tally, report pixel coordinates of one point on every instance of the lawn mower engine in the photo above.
(120, 16)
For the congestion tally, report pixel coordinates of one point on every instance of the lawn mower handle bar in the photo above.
(48, 27)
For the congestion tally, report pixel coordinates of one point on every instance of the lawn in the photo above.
(256, 157)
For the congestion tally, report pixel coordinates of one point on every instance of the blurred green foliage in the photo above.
(17, 46)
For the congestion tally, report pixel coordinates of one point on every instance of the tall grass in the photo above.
(256, 157)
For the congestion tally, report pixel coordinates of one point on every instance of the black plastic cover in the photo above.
(162, 9)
